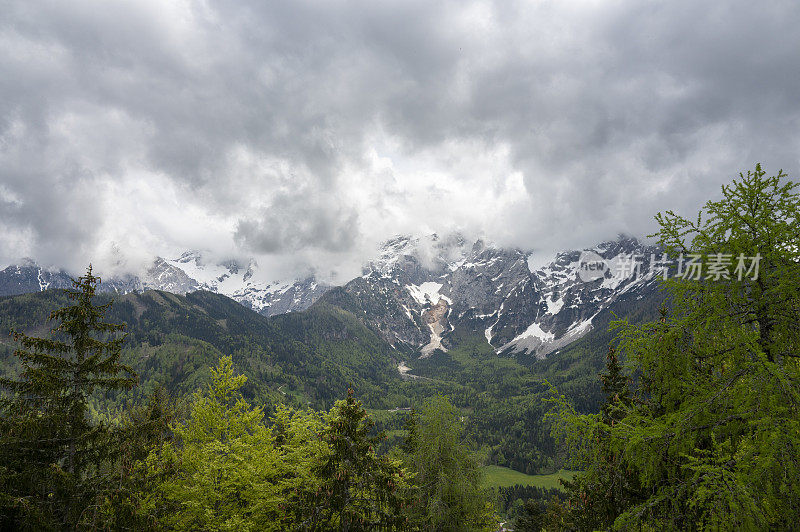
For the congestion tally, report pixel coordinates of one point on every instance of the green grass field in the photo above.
(497, 476)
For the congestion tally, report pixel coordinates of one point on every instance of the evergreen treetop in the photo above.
(50, 450)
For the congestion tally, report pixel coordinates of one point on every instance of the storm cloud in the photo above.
(302, 133)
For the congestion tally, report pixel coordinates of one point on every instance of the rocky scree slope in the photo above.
(421, 290)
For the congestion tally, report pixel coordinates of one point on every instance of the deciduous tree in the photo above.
(713, 432)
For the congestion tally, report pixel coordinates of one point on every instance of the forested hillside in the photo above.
(207, 415)
(306, 359)
(312, 356)
(223, 464)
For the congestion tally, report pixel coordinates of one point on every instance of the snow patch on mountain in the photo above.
(532, 339)
(554, 307)
(42, 283)
(190, 272)
(535, 331)
(427, 293)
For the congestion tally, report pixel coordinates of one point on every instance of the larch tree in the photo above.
(713, 430)
(449, 493)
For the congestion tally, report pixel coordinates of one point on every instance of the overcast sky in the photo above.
(302, 133)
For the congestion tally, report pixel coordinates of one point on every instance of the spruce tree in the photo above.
(615, 386)
(607, 485)
(359, 490)
(50, 450)
(143, 428)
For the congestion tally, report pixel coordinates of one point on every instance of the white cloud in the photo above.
(303, 133)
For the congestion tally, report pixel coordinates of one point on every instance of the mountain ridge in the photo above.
(415, 292)
(491, 291)
(185, 274)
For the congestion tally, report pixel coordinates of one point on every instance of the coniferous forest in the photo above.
(163, 412)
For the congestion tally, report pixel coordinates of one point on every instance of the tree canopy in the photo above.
(712, 430)
(51, 452)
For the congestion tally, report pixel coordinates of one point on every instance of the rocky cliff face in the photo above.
(421, 290)
(494, 292)
(418, 291)
(187, 273)
(27, 277)
(398, 291)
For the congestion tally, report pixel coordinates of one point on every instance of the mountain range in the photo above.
(428, 315)
(187, 273)
(417, 291)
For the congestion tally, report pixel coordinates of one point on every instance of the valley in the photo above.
(427, 316)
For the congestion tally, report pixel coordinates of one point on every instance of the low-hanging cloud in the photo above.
(294, 222)
(303, 133)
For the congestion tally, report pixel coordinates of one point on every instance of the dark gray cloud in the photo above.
(296, 222)
(306, 131)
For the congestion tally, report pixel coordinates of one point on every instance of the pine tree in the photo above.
(359, 490)
(50, 450)
(615, 385)
(533, 518)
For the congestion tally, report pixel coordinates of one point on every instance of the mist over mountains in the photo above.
(415, 293)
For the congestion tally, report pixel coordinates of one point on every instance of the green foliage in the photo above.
(712, 432)
(450, 494)
(222, 467)
(229, 469)
(608, 486)
(52, 456)
(143, 428)
(526, 505)
(358, 489)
